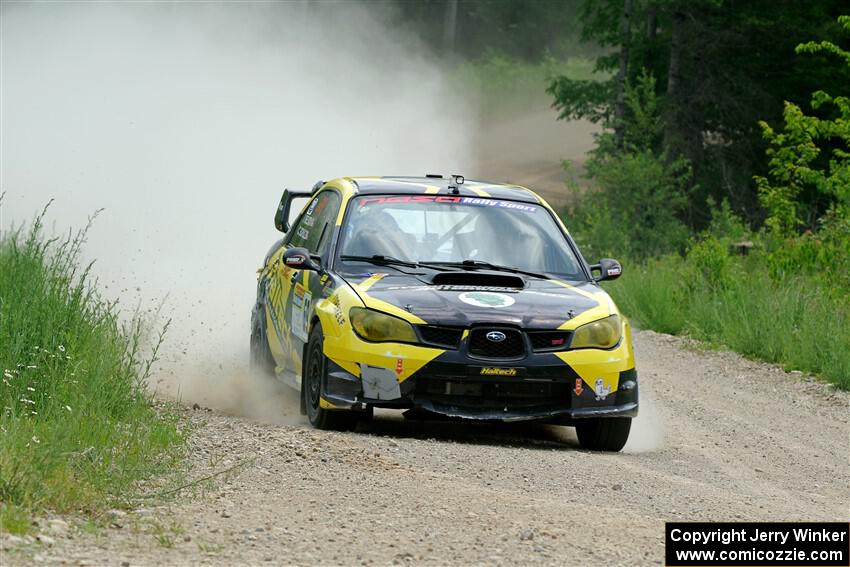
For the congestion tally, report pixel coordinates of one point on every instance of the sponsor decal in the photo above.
(486, 299)
(322, 204)
(399, 366)
(498, 371)
(309, 221)
(579, 387)
(303, 233)
(473, 201)
(601, 388)
(312, 207)
(614, 271)
(495, 336)
(302, 304)
(295, 260)
(340, 319)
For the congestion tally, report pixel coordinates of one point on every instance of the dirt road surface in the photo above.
(719, 438)
(528, 148)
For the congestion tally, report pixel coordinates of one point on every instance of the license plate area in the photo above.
(492, 390)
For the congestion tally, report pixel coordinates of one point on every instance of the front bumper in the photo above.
(553, 387)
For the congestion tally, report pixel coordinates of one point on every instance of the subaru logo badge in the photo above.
(496, 336)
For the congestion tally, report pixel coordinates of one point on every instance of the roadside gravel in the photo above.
(719, 438)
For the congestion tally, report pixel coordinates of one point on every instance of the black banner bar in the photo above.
(754, 544)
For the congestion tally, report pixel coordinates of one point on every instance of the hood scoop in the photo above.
(477, 279)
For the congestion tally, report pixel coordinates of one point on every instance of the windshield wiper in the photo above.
(479, 265)
(390, 261)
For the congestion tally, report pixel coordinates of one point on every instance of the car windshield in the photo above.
(448, 228)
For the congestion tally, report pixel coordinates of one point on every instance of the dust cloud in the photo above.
(185, 122)
(647, 433)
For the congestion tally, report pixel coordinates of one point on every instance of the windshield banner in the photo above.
(450, 199)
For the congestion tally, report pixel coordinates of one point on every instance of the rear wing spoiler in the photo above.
(283, 215)
(286, 213)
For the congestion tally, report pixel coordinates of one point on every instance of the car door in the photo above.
(313, 231)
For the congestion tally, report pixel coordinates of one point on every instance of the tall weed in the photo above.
(77, 428)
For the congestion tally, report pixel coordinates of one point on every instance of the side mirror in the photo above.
(291, 203)
(300, 259)
(608, 269)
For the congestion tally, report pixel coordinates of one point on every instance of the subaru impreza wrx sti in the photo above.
(446, 297)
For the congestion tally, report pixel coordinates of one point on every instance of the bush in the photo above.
(794, 322)
(77, 429)
(633, 208)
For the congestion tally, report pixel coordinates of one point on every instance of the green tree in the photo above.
(639, 196)
(721, 66)
(810, 155)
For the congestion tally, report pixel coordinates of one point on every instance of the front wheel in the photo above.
(261, 361)
(313, 388)
(603, 433)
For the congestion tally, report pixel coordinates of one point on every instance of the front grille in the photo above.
(511, 347)
(549, 341)
(492, 394)
(442, 336)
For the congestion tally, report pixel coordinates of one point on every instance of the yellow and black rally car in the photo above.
(449, 297)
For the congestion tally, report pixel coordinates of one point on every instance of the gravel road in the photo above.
(719, 438)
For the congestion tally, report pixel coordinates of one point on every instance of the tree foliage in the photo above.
(640, 195)
(519, 29)
(720, 68)
(810, 155)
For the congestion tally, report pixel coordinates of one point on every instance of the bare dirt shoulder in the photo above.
(719, 438)
(528, 148)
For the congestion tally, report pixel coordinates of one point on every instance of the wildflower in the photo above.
(26, 401)
(61, 348)
(6, 382)
(32, 366)
(8, 374)
(30, 389)
(68, 408)
(35, 440)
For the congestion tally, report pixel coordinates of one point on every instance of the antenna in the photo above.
(455, 182)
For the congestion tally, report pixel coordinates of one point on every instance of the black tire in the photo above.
(313, 387)
(261, 359)
(603, 433)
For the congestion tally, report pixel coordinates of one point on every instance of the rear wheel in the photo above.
(313, 388)
(261, 361)
(603, 433)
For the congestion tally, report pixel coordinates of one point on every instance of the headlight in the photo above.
(380, 327)
(604, 333)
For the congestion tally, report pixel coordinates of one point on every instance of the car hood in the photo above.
(538, 304)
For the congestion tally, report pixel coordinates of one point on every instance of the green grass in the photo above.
(78, 432)
(793, 322)
(504, 85)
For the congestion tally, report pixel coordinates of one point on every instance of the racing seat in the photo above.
(370, 241)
